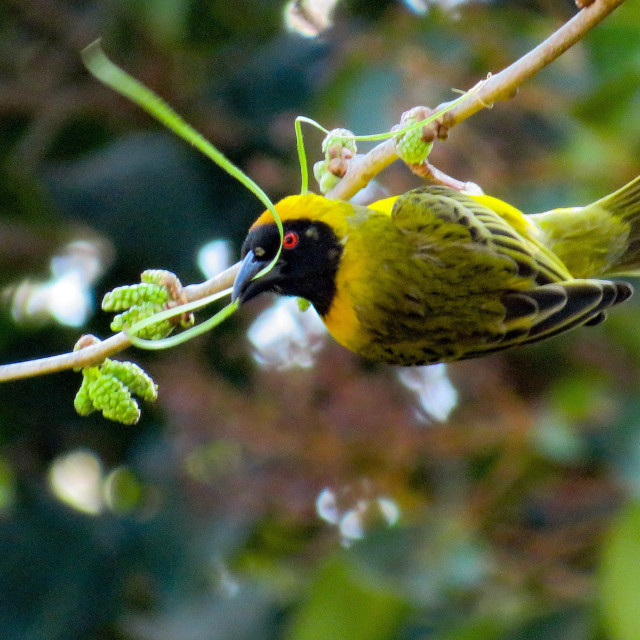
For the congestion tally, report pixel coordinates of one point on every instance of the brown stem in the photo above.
(501, 86)
(428, 171)
(96, 353)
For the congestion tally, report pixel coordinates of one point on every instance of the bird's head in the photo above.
(308, 262)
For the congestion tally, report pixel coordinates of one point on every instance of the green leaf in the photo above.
(486, 628)
(620, 577)
(348, 603)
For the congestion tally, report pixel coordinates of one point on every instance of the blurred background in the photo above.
(281, 487)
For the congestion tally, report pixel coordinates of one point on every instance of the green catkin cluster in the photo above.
(342, 137)
(139, 301)
(411, 146)
(326, 180)
(82, 402)
(134, 294)
(139, 312)
(108, 388)
(133, 376)
(112, 397)
(157, 276)
(339, 147)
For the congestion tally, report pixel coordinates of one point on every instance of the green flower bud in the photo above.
(326, 179)
(113, 398)
(133, 376)
(187, 320)
(411, 146)
(136, 294)
(338, 139)
(139, 312)
(82, 402)
(156, 276)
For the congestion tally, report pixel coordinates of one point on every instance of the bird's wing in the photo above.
(539, 299)
(551, 309)
(438, 214)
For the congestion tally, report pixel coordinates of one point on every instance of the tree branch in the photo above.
(501, 86)
(96, 353)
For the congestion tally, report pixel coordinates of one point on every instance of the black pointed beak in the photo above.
(245, 287)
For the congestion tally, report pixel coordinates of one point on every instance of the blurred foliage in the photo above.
(517, 518)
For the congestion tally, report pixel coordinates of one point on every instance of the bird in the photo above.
(439, 275)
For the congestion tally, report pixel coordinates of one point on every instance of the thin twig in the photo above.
(361, 170)
(501, 86)
(96, 353)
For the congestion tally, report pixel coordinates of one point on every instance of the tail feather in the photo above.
(601, 239)
(625, 204)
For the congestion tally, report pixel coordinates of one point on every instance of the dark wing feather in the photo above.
(552, 309)
(520, 292)
(444, 214)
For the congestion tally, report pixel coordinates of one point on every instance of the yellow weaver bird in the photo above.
(436, 275)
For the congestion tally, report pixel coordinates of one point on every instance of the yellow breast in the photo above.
(342, 320)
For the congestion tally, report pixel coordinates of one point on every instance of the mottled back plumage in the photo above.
(469, 284)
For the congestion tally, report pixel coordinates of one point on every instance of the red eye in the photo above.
(290, 240)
